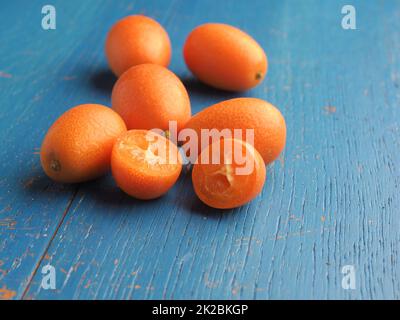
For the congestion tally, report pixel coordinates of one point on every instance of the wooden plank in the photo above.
(36, 75)
(31, 207)
(330, 201)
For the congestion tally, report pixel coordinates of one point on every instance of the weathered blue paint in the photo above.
(331, 200)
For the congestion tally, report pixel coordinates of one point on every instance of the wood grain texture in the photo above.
(332, 199)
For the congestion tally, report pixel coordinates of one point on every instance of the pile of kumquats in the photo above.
(150, 133)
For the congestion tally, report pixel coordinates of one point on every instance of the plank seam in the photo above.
(60, 223)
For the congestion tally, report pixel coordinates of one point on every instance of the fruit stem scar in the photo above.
(259, 75)
(55, 165)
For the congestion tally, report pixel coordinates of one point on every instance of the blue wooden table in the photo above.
(330, 201)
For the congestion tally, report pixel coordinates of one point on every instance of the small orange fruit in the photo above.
(148, 96)
(78, 145)
(225, 57)
(145, 164)
(135, 40)
(245, 113)
(235, 179)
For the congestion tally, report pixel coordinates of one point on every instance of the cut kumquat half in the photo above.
(228, 174)
(145, 164)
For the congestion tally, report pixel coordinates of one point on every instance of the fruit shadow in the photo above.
(36, 185)
(107, 196)
(101, 192)
(105, 193)
(103, 80)
(205, 94)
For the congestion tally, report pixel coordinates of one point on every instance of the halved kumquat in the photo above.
(228, 174)
(145, 164)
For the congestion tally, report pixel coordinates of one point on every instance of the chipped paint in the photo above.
(301, 233)
(6, 294)
(186, 257)
(8, 223)
(69, 78)
(5, 75)
(6, 209)
(77, 265)
(293, 217)
(28, 183)
(208, 283)
(88, 283)
(330, 109)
